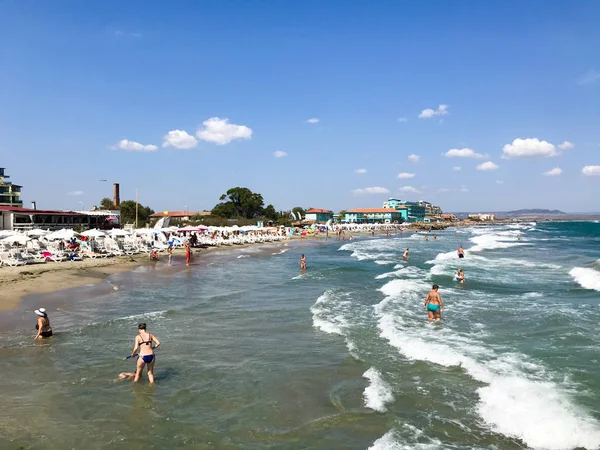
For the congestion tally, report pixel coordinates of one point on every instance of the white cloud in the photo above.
(371, 190)
(463, 153)
(361, 171)
(414, 158)
(528, 148)
(566, 146)
(442, 110)
(221, 132)
(409, 189)
(554, 172)
(279, 154)
(499, 182)
(75, 193)
(463, 188)
(313, 120)
(589, 77)
(406, 175)
(402, 119)
(179, 139)
(591, 171)
(457, 168)
(488, 165)
(132, 146)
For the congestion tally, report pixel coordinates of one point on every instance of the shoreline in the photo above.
(16, 283)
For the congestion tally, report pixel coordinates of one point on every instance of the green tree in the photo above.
(107, 203)
(341, 215)
(299, 210)
(239, 202)
(271, 213)
(127, 209)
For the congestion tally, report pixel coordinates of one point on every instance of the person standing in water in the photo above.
(433, 304)
(405, 255)
(143, 346)
(460, 276)
(302, 261)
(461, 253)
(188, 253)
(170, 252)
(44, 330)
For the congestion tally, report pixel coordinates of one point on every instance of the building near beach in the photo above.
(15, 218)
(10, 194)
(376, 215)
(181, 215)
(416, 212)
(318, 215)
(482, 217)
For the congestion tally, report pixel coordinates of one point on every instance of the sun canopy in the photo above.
(193, 228)
(18, 238)
(93, 233)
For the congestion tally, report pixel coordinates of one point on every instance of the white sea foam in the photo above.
(280, 252)
(533, 295)
(408, 272)
(378, 393)
(328, 312)
(587, 278)
(494, 241)
(516, 390)
(243, 256)
(389, 441)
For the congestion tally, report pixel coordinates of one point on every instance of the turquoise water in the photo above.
(256, 354)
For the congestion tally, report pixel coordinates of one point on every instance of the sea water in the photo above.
(256, 354)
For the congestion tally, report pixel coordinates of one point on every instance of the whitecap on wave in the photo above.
(378, 393)
(587, 278)
(516, 389)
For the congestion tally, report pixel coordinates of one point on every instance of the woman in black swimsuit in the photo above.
(143, 346)
(43, 327)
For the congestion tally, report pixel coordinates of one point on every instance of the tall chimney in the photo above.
(33, 205)
(117, 199)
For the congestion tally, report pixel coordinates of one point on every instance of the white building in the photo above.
(482, 217)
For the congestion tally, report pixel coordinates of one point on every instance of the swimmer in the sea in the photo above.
(433, 304)
(405, 255)
(302, 262)
(460, 276)
(461, 253)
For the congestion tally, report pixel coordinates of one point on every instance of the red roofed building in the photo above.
(183, 215)
(376, 215)
(318, 215)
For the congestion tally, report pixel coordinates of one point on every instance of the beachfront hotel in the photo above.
(415, 211)
(318, 215)
(376, 215)
(10, 194)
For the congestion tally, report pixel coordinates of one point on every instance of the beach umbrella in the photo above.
(20, 239)
(37, 232)
(4, 233)
(62, 234)
(93, 233)
(118, 232)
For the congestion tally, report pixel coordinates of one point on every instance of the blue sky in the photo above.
(90, 91)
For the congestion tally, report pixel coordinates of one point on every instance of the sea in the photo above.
(257, 354)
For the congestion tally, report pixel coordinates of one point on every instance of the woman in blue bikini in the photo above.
(433, 304)
(143, 346)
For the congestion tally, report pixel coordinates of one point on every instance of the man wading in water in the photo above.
(433, 304)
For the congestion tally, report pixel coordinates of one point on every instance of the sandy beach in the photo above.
(17, 282)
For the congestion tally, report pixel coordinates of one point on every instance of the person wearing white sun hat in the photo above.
(43, 324)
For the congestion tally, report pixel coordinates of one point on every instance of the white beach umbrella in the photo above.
(20, 239)
(62, 234)
(4, 233)
(37, 232)
(118, 232)
(93, 233)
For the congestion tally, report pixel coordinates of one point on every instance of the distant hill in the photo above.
(541, 213)
(533, 212)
